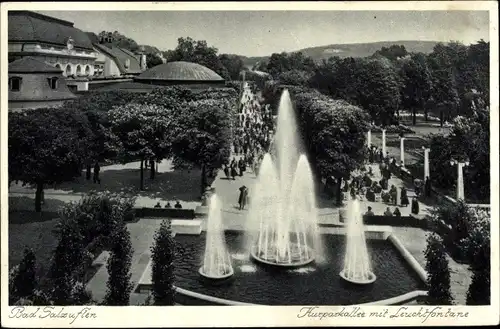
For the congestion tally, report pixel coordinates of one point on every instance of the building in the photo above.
(180, 73)
(113, 61)
(191, 75)
(86, 63)
(51, 40)
(35, 84)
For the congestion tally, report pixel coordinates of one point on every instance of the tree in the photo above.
(190, 50)
(119, 40)
(104, 145)
(469, 138)
(119, 286)
(233, 64)
(416, 84)
(162, 257)
(202, 135)
(47, 146)
(393, 53)
(294, 77)
(143, 130)
(438, 271)
(283, 62)
(25, 282)
(153, 60)
(333, 131)
(372, 84)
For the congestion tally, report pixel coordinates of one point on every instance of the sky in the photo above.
(261, 33)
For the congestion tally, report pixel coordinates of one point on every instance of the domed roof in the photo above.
(180, 71)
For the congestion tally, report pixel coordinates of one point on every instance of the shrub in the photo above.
(98, 213)
(479, 290)
(470, 229)
(65, 262)
(24, 281)
(80, 295)
(438, 272)
(162, 257)
(119, 286)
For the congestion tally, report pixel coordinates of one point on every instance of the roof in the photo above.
(120, 56)
(30, 26)
(180, 71)
(31, 65)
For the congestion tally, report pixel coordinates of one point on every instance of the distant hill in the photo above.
(352, 50)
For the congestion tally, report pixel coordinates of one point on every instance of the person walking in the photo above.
(226, 171)
(404, 197)
(428, 187)
(242, 197)
(97, 170)
(233, 172)
(240, 166)
(415, 208)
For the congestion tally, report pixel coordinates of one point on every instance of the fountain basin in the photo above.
(224, 273)
(274, 285)
(371, 278)
(296, 259)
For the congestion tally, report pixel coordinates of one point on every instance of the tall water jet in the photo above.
(302, 211)
(357, 267)
(282, 219)
(216, 261)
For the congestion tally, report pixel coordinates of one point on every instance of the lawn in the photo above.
(28, 229)
(168, 185)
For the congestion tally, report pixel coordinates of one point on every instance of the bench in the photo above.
(165, 213)
(403, 221)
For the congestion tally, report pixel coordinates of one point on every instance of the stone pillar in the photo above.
(383, 143)
(369, 138)
(460, 178)
(426, 162)
(402, 156)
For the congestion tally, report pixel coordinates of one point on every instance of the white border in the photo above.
(207, 316)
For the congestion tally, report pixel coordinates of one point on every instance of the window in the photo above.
(53, 83)
(15, 84)
(68, 70)
(78, 70)
(59, 66)
(87, 70)
(127, 63)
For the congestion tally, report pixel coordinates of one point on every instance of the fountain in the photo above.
(216, 261)
(357, 267)
(282, 219)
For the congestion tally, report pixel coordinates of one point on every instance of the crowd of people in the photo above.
(363, 185)
(252, 139)
(253, 133)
